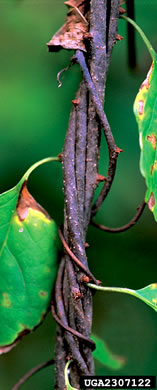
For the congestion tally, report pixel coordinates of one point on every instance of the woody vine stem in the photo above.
(73, 299)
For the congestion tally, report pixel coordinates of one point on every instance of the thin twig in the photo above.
(107, 185)
(75, 231)
(113, 149)
(124, 227)
(60, 297)
(59, 292)
(32, 372)
(76, 260)
(111, 31)
(101, 46)
(74, 235)
(69, 329)
(99, 108)
(67, 336)
(81, 152)
(97, 68)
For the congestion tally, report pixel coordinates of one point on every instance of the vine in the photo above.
(91, 31)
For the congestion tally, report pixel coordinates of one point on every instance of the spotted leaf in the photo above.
(28, 249)
(145, 110)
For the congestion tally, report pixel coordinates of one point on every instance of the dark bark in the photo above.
(80, 167)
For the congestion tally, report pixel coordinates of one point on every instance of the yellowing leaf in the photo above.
(28, 250)
(145, 110)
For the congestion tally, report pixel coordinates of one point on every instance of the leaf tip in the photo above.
(27, 201)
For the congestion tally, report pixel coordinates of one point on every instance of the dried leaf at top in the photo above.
(71, 35)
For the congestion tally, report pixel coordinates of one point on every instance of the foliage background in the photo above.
(33, 120)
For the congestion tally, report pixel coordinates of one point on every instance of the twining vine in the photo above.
(73, 300)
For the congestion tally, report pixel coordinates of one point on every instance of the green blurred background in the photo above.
(33, 118)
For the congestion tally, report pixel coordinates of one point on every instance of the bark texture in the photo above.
(73, 300)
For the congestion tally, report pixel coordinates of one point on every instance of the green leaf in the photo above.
(28, 250)
(67, 383)
(105, 356)
(147, 294)
(145, 110)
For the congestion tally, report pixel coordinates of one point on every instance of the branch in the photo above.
(124, 227)
(76, 260)
(113, 149)
(32, 372)
(70, 330)
(98, 105)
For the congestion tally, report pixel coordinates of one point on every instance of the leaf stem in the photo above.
(141, 294)
(37, 164)
(112, 289)
(143, 36)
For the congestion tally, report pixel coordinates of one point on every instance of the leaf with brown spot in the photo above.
(71, 34)
(26, 201)
(145, 110)
(28, 250)
(152, 139)
(151, 170)
(151, 202)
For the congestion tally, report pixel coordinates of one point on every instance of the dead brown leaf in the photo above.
(71, 35)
